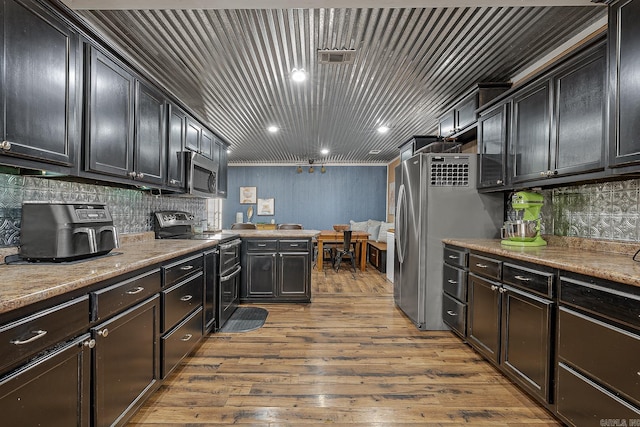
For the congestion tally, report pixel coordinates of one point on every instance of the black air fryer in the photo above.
(65, 231)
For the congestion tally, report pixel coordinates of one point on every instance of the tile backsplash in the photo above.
(131, 209)
(607, 210)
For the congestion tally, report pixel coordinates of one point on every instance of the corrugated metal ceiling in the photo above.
(231, 68)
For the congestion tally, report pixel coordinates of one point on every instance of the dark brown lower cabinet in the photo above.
(52, 390)
(484, 317)
(126, 362)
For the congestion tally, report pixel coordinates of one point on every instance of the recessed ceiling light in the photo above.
(383, 129)
(273, 129)
(228, 150)
(324, 151)
(298, 75)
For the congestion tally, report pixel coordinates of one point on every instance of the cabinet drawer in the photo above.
(614, 304)
(262, 245)
(181, 299)
(294, 245)
(538, 282)
(180, 341)
(122, 295)
(173, 273)
(584, 403)
(606, 353)
(487, 267)
(24, 338)
(456, 257)
(454, 314)
(454, 282)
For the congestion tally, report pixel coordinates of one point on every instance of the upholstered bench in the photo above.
(378, 255)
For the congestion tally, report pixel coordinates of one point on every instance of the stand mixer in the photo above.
(526, 230)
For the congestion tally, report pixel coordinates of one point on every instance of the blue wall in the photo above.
(315, 200)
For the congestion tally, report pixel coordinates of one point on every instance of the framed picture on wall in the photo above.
(265, 206)
(248, 195)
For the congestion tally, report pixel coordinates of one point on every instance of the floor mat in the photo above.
(245, 319)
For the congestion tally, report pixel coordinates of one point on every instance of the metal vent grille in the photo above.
(336, 56)
(449, 171)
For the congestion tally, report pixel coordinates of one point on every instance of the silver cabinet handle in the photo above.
(104, 332)
(136, 290)
(494, 288)
(140, 175)
(186, 298)
(543, 173)
(37, 335)
(132, 174)
(453, 257)
(186, 337)
(481, 265)
(262, 245)
(89, 343)
(5, 145)
(453, 282)
(502, 290)
(451, 313)
(499, 182)
(173, 181)
(523, 278)
(186, 267)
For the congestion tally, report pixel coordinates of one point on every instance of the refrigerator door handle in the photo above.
(401, 211)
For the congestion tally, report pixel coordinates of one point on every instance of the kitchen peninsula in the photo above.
(562, 321)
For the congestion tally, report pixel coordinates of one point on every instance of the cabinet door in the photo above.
(53, 390)
(624, 64)
(192, 141)
(447, 124)
(261, 275)
(110, 111)
(580, 116)
(126, 361)
(465, 112)
(222, 173)
(492, 146)
(151, 144)
(483, 328)
(175, 156)
(526, 341)
(39, 62)
(294, 272)
(206, 143)
(529, 152)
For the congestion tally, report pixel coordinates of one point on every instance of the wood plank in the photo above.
(348, 358)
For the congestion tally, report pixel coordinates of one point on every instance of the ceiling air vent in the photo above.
(374, 152)
(335, 56)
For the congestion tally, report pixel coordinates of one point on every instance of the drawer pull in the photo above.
(481, 265)
(502, 290)
(451, 313)
(453, 282)
(523, 278)
(186, 337)
(104, 332)
(38, 334)
(262, 245)
(494, 288)
(294, 245)
(186, 298)
(89, 343)
(453, 257)
(135, 290)
(186, 267)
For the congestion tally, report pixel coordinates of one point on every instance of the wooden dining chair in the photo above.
(346, 249)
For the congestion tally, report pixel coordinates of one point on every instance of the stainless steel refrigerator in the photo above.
(436, 199)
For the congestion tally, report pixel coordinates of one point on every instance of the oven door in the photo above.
(229, 286)
(229, 255)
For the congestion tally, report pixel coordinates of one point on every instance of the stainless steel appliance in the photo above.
(202, 176)
(52, 231)
(436, 199)
(222, 264)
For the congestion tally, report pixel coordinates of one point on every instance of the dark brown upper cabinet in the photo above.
(624, 92)
(175, 148)
(493, 134)
(125, 123)
(40, 65)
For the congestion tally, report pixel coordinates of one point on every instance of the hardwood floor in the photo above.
(348, 358)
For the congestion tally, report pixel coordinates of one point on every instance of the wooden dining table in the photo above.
(360, 239)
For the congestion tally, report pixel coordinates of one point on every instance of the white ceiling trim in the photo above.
(307, 4)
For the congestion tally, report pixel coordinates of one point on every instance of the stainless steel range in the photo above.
(222, 263)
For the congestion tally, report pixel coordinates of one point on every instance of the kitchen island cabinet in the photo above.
(40, 117)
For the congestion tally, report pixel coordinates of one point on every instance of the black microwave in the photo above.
(202, 176)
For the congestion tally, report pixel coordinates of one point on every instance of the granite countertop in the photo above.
(603, 259)
(24, 284)
(276, 234)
